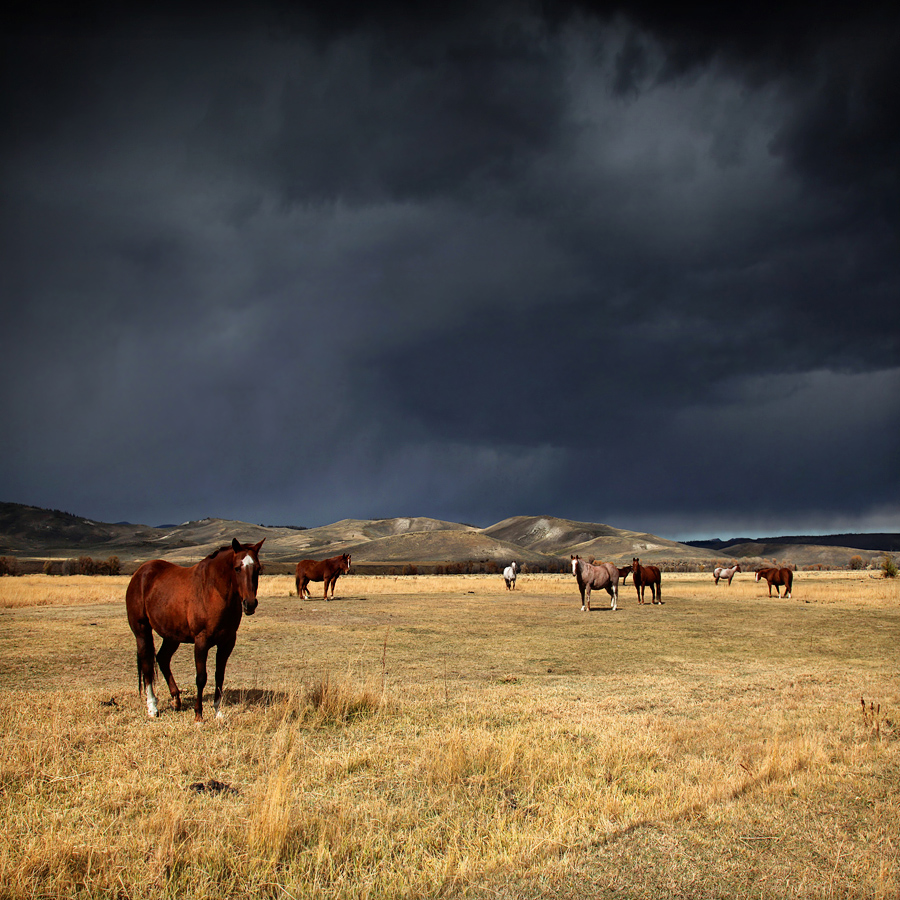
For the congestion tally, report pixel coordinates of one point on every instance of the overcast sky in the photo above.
(604, 262)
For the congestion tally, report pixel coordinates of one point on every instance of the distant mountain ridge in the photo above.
(32, 533)
(885, 542)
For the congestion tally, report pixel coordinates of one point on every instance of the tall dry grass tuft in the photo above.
(337, 701)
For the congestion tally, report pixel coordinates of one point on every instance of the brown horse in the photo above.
(327, 570)
(199, 605)
(624, 572)
(596, 576)
(780, 578)
(646, 576)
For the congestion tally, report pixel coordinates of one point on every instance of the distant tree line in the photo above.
(83, 565)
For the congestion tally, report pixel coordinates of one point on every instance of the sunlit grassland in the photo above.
(438, 735)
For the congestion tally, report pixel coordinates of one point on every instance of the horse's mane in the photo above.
(215, 553)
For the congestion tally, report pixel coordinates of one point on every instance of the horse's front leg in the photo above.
(222, 654)
(201, 651)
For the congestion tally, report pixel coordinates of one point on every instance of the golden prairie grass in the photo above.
(58, 590)
(456, 739)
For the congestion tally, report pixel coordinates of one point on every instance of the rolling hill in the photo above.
(33, 535)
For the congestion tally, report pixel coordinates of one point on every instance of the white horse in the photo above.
(727, 574)
(509, 576)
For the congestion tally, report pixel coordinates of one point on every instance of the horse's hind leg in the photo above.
(146, 660)
(164, 658)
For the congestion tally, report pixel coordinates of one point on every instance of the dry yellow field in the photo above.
(428, 736)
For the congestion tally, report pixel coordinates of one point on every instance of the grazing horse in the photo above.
(327, 570)
(601, 575)
(509, 576)
(727, 574)
(646, 576)
(779, 577)
(624, 572)
(199, 605)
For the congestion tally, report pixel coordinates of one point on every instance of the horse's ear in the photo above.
(236, 546)
(257, 546)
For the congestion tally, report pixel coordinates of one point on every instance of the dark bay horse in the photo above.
(327, 570)
(780, 578)
(595, 576)
(624, 572)
(720, 573)
(646, 576)
(200, 605)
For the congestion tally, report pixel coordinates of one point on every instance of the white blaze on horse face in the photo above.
(574, 562)
(248, 561)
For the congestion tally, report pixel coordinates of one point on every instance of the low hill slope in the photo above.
(563, 537)
(355, 535)
(796, 554)
(444, 547)
(30, 530)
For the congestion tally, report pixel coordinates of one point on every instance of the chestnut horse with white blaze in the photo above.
(327, 570)
(200, 605)
(782, 577)
(646, 576)
(596, 576)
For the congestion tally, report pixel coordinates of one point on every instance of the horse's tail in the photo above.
(297, 582)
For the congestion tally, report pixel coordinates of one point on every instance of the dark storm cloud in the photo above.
(608, 262)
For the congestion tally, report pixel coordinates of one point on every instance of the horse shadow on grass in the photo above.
(257, 697)
(321, 600)
(251, 697)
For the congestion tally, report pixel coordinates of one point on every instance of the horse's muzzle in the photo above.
(250, 606)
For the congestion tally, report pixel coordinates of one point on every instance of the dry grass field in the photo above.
(439, 736)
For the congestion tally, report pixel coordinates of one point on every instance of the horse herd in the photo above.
(203, 605)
